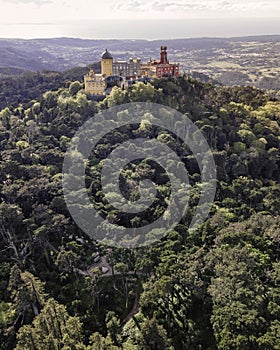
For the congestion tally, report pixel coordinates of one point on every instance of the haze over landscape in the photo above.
(138, 19)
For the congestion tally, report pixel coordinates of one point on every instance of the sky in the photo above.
(23, 18)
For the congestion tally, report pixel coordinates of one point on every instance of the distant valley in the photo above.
(229, 61)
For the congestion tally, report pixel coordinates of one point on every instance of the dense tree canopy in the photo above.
(213, 288)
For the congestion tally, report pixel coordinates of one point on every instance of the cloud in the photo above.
(176, 6)
(135, 5)
(201, 5)
(191, 5)
(36, 2)
(131, 5)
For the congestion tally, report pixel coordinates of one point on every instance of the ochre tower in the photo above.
(106, 64)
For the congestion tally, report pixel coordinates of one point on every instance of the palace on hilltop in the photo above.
(125, 73)
(163, 68)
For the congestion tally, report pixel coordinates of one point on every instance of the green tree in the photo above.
(52, 329)
(75, 87)
(113, 327)
(238, 298)
(27, 292)
(152, 336)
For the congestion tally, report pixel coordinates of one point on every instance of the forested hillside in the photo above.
(16, 89)
(213, 288)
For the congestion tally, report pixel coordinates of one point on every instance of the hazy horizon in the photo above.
(138, 19)
(144, 29)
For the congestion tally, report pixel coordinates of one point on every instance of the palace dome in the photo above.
(106, 55)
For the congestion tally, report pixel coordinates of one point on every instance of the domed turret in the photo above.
(106, 55)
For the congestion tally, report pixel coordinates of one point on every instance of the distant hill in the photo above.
(18, 58)
(61, 53)
(239, 61)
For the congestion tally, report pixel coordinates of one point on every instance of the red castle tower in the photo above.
(164, 68)
(163, 55)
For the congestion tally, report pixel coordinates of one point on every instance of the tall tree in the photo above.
(52, 329)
